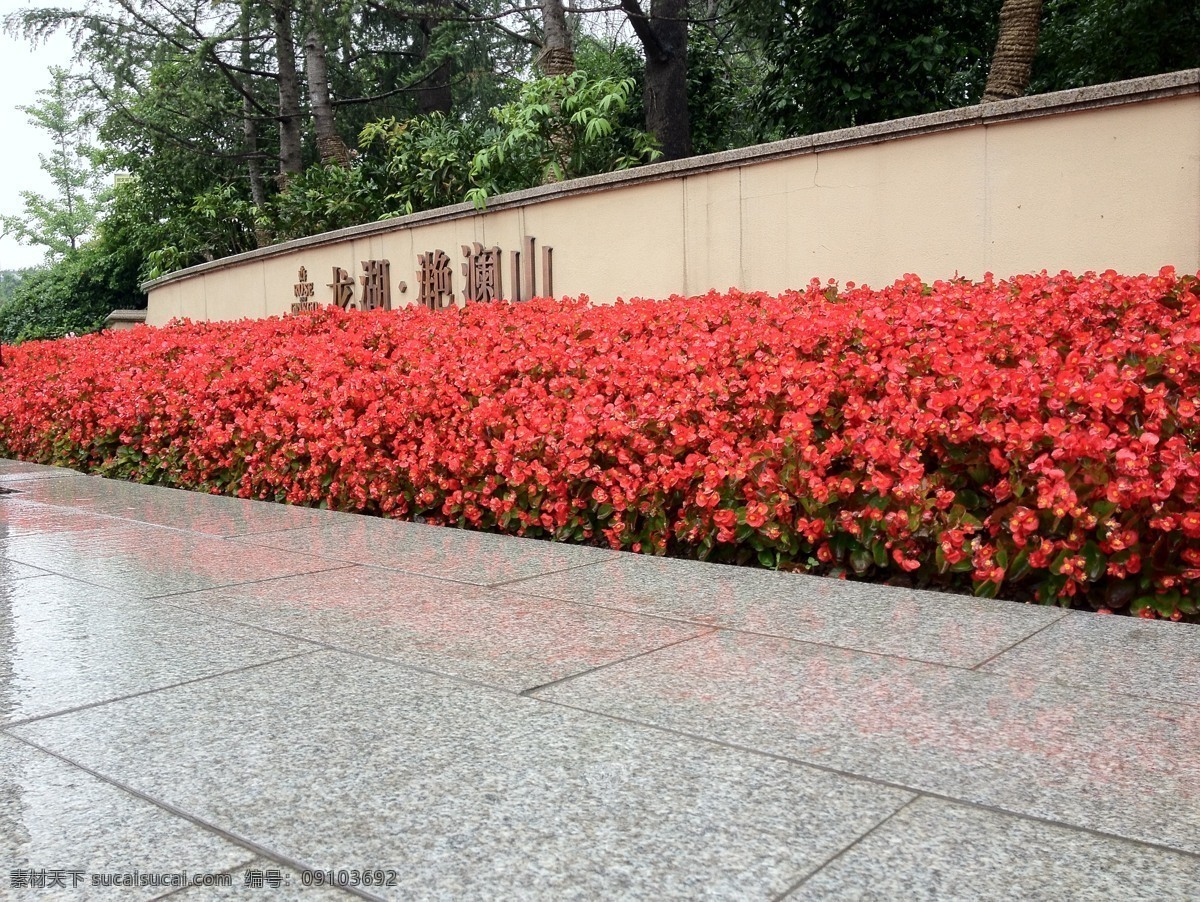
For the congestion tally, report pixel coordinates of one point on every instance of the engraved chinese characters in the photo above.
(377, 289)
(482, 272)
(343, 289)
(435, 280)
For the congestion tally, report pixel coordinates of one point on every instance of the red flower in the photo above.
(1043, 421)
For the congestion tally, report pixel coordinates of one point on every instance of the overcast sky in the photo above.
(23, 72)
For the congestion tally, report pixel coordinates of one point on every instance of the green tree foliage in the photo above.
(442, 101)
(73, 295)
(577, 125)
(1088, 42)
(10, 279)
(836, 63)
(724, 75)
(60, 221)
(573, 125)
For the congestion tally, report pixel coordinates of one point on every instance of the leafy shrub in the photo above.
(1032, 438)
(561, 127)
(426, 161)
(72, 295)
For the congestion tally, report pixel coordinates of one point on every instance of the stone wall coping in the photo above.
(127, 316)
(1155, 87)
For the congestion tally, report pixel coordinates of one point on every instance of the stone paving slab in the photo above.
(70, 644)
(937, 850)
(1148, 659)
(478, 558)
(1104, 762)
(466, 792)
(503, 718)
(495, 636)
(193, 511)
(10, 570)
(20, 471)
(55, 816)
(144, 560)
(20, 517)
(919, 625)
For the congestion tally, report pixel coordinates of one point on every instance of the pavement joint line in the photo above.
(720, 627)
(528, 693)
(876, 781)
(166, 595)
(400, 569)
(512, 583)
(504, 583)
(37, 718)
(117, 520)
(263, 533)
(320, 646)
(710, 629)
(1022, 640)
(99, 512)
(176, 602)
(338, 565)
(448, 579)
(260, 851)
(85, 582)
(842, 851)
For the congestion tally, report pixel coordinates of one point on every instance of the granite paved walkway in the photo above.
(213, 686)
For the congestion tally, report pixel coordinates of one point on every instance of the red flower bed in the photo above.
(1035, 438)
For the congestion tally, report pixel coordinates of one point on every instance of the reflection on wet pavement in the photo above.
(188, 681)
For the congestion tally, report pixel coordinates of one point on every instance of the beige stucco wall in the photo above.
(1101, 178)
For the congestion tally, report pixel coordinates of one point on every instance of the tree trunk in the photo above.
(557, 56)
(664, 39)
(435, 94)
(329, 143)
(258, 189)
(1016, 46)
(291, 161)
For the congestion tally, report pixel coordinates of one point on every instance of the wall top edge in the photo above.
(125, 316)
(1154, 87)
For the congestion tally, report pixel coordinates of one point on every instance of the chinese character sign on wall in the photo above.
(435, 280)
(377, 286)
(482, 272)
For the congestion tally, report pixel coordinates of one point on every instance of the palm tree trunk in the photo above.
(1015, 49)
(557, 56)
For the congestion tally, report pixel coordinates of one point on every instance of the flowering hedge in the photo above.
(1033, 438)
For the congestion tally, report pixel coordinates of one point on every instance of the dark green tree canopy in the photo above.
(241, 123)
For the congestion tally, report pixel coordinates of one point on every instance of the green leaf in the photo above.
(987, 589)
(1094, 563)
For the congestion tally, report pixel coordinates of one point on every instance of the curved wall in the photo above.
(1098, 178)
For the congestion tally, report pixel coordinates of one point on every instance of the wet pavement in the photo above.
(268, 699)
